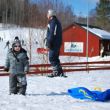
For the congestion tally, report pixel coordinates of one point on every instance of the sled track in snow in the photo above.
(67, 67)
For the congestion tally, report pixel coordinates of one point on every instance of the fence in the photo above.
(67, 67)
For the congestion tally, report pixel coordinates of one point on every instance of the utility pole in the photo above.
(87, 66)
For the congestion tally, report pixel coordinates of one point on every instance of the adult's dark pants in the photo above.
(17, 83)
(54, 57)
(55, 61)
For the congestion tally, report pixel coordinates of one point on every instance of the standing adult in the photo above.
(7, 44)
(54, 41)
(18, 66)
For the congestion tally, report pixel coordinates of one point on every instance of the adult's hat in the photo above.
(51, 12)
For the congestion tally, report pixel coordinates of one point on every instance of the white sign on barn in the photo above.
(73, 47)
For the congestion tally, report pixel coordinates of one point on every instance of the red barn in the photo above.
(76, 37)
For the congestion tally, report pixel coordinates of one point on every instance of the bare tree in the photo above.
(27, 13)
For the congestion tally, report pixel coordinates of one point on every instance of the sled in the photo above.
(42, 50)
(85, 94)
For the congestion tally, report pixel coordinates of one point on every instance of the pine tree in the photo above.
(103, 10)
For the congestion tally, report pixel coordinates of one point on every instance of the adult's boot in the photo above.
(60, 72)
(54, 73)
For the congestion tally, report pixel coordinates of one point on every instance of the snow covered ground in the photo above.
(45, 93)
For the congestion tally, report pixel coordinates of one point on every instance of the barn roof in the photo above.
(96, 30)
(99, 32)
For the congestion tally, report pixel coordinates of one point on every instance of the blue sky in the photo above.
(81, 7)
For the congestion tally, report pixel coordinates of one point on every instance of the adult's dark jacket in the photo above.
(54, 34)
